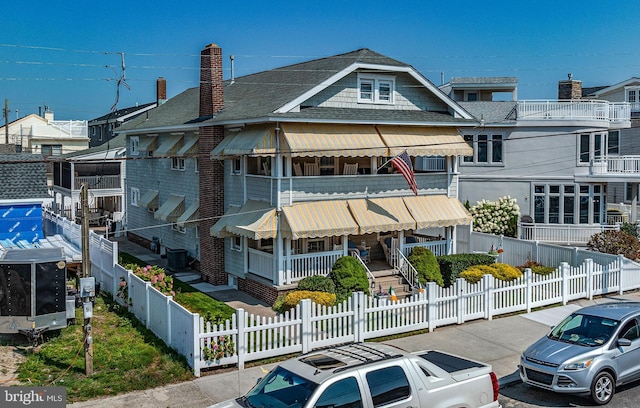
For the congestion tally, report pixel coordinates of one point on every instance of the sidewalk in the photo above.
(498, 342)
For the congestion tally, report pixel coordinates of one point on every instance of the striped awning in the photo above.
(167, 146)
(252, 141)
(255, 220)
(381, 214)
(171, 209)
(424, 141)
(332, 140)
(189, 215)
(189, 146)
(219, 229)
(437, 211)
(318, 219)
(149, 200)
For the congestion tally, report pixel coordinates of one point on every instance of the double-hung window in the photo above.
(376, 89)
(177, 163)
(135, 143)
(591, 147)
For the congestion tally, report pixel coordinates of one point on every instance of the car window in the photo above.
(388, 385)
(631, 331)
(341, 394)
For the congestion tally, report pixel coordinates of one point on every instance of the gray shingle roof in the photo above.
(120, 112)
(373, 115)
(24, 176)
(492, 112)
(484, 80)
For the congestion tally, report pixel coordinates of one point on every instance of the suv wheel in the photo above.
(602, 388)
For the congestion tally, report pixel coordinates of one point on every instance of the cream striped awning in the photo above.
(255, 220)
(381, 214)
(332, 140)
(251, 141)
(437, 211)
(317, 219)
(424, 141)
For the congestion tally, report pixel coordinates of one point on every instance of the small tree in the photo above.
(426, 265)
(615, 243)
(349, 276)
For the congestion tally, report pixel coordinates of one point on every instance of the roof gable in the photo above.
(607, 89)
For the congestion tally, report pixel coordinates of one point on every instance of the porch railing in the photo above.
(616, 165)
(303, 265)
(261, 263)
(97, 182)
(407, 270)
(437, 247)
(562, 233)
(574, 110)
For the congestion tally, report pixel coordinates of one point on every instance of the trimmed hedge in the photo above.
(426, 265)
(349, 276)
(452, 265)
(317, 283)
(503, 272)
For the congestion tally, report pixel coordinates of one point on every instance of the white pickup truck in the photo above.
(371, 375)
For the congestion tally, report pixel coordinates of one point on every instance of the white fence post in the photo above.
(589, 280)
(564, 273)
(305, 317)
(574, 261)
(460, 299)
(358, 306)
(197, 352)
(536, 251)
(622, 276)
(432, 294)
(488, 296)
(241, 346)
(528, 288)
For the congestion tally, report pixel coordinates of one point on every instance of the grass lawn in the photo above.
(127, 357)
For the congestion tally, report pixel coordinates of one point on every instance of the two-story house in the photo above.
(542, 153)
(293, 168)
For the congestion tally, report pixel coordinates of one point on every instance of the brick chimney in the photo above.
(211, 172)
(161, 90)
(569, 89)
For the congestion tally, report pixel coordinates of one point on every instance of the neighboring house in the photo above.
(101, 129)
(545, 154)
(102, 168)
(23, 191)
(619, 164)
(293, 168)
(43, 135)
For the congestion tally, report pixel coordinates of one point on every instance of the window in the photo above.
(195, 160)
(135, 196)
(630, 331)
(487, 149)
(633, 97)
(568, 204)
(177, 163)
(591, 147)
(135, 143)
(236, 243)
(341, 394)
(613, 143)
(388, 385)
(178, 228)
(376, 89)
(50, 150)
(236, 166)
(471, 96)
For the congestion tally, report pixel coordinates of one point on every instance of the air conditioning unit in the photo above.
(176, 259)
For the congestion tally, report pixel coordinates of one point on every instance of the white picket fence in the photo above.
(362, 317)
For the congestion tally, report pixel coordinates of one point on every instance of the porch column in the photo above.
(345, 244)
(449, 233)
(634, 202)
(401, 241)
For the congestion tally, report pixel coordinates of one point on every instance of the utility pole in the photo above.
(85, 282)
(6, 121)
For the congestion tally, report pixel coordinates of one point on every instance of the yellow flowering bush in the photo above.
(292, 299)
(503, 272)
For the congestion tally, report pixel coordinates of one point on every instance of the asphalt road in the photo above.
(524, 396)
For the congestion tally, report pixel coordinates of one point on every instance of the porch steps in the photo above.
(390, 277)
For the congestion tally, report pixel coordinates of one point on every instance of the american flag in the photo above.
(402, 162)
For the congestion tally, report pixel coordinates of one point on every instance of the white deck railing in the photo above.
(98, 182)
(616, 165)
(573, 110)
(562, 233)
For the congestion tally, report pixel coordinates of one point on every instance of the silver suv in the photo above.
(591, 352)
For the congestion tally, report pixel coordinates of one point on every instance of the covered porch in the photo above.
(306, 239)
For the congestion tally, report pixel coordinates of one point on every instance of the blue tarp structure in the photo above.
(21, 222)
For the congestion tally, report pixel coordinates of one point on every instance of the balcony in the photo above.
(98, 182)
(615, 165)
(575, 110)
(563, 234)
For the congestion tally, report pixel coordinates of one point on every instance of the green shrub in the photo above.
(503, 272)
(292, 299)
(536, 267)
(317, 283)
(426, 265)
(278, 305)
(615, 243)
(349, 276)
(452, 265)
(630, 228)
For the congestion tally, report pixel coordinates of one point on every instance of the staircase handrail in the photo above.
(370, 276)
(408, 272)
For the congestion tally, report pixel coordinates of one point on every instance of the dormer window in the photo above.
(376, 89)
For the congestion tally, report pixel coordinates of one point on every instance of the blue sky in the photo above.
(64, 55)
